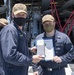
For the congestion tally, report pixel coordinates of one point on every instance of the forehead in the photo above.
(21, 13)
(48, 22)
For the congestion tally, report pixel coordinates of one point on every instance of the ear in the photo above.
(54, 23)
(27, 14)
(12, 15)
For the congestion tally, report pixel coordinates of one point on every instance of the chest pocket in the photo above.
(59, 47)
(22, 43)
(21, 37)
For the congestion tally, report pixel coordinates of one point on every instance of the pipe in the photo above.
(36, 17)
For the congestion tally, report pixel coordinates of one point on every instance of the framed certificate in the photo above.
(45, 48)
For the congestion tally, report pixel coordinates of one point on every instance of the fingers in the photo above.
(57, 59)
(33, 49)
(36, 58)
(35, 73)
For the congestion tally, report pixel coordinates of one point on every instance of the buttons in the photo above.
(49, 69)
(58, 48)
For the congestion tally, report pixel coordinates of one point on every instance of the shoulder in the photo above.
(9, 31)
(62, 36)
(9, 27)
(40, 36)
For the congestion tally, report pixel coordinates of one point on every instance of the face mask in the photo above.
(48, 28)
(19, 21)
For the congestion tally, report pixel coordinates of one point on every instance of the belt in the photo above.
(50, 69)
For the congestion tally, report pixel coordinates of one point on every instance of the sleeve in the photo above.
(68, 57)
(9, 50)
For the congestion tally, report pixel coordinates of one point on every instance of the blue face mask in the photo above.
(19, 21)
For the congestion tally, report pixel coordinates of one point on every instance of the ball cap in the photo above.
(18, 8)
(47, 18)
(3, 21)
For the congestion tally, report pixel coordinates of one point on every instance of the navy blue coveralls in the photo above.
(15, 51)
(1, 63)
(62, 48)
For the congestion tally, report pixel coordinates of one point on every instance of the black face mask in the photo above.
(19, 21)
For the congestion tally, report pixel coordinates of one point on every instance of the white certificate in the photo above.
(45, 48)
(40, 47)
(49, 49)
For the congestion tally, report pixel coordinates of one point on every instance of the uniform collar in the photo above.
(49, 37)
(17, 27)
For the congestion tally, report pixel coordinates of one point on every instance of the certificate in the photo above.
(49, 49)
(45, 48)
(40, 47)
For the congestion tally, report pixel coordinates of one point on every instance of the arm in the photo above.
(67, 57)
(9, 49)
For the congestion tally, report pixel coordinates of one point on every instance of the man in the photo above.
(3, 22)
(14, 44)
(63, 49)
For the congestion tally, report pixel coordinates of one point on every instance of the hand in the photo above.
(36, 58)
(33, 49)
(35, 73)
(57, 59)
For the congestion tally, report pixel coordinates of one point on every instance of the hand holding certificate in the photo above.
(45, 48)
